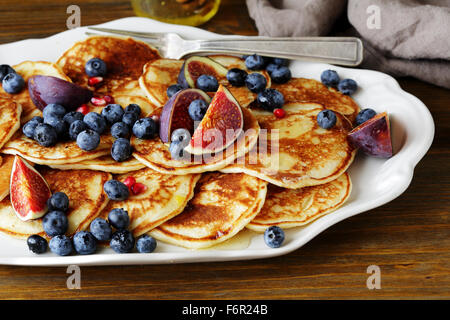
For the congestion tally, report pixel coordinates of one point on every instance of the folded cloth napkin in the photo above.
(401, 37)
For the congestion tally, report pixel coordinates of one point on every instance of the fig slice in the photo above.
(47, 89)
(220, 127)
(373, 137)
(29, 191)
(175, 112)
(193, 67)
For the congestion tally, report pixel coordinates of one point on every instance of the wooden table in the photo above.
(409, 238)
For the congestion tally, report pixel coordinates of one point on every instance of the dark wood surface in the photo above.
(409, 238)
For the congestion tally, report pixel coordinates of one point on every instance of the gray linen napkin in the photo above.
(401, 37)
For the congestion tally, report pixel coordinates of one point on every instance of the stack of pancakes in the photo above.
(284, 172)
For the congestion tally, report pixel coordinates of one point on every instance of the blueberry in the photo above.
(112, 113)
(145, 128)
(326, 119)
(146, 244)
(270, 67)
(76, 128)
(120, 130)
(95, 122)
(330, 78)
(121, 150)
(347, 86)
(129, 118)
(37, 244)
(255, 82)
(255, 62)
(37, 119)
(274, 236)
(116, 190)
(134, 108)
(88, 140)
(270, 99)
(364, 115)
(181, 135)
(54, 110)
(119, 218)
(207, 83)
(61, 245)
(13, 83)
(236, 77)
(174, 88)
(281, 75)
(58, 201)
(55, 223)
(29, 128)
(72, 116)
(101, 229)
(176, 150)
(45, 135)
(95, 67)
(197, 109)
(4, 70)
(280, 62)
(84, 242)
(58, 124)
(122, 241)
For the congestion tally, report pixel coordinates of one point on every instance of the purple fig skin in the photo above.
(373, 137)
(46, 89)
(181, 78)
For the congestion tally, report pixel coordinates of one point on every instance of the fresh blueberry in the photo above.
(120, 130)
(116, 190)
(280, 62)
(72, 116)
(281, 75)
(84, 242)
(270, 99)
(176, 150)
(59, 201)
(197, 109)
(207, 83)
(29, 128)
(330, 78)
(76, 128)
(326, 119)
(121, 150)
(13, 83)
(347, 86)
(54, 110)
(4, 70)
(134, 108)
(45, 135)
(270, 67)
(145, 128)
(58, 124)
(88, 140)
(180, 135)
(37, 119)
(61, 245)
(364, 115)
(255, 62)
(129, 118)
(95, 122)
(146, 244)
(255, 82)
(236, 77)
(95, 67)
(101, 229)
(55, 223)
(174, 88)
(112, 113)
(119, 218)
(122, 241)
(274, 236)
(37, 244)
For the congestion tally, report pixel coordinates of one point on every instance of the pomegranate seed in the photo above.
(129, 182)
(92, 81)
(279, 113)
(138, 188)
(108, 99)
(84, 109)
(98, 101)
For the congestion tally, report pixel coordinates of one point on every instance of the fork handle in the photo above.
(347, 51)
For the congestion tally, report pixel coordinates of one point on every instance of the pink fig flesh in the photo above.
(196, 66)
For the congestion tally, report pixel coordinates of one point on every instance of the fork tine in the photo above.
(146, 35)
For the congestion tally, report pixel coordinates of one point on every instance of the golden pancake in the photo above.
(309, 90)
(289, 208)
(10, 112)
(124, 58)
(5, 175)
(165, 197)
(299, 153)
(104, 163)
(86, 200)
(155, 154)
(223, 205)
(27, 69)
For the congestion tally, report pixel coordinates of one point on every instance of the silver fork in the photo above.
(346, 51)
